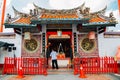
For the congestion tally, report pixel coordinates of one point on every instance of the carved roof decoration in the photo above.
(18, 13)
(80, 12)
(102, 12)
(62, 11)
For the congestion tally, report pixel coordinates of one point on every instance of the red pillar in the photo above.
(119, 6)
(3, 15)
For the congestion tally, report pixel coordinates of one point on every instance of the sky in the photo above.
(95, 5)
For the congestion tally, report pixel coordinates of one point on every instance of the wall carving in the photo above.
(31, 48)
(86, 47)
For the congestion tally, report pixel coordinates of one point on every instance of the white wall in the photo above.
(17, 52)
(107, 46)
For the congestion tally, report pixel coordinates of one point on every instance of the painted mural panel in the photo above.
(31, 48)
(87, 47)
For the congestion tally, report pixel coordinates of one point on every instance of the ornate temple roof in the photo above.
(59, 16)
(97, 19)
(80, 14)
(23, 20)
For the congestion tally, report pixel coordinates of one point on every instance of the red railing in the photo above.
(28, 65)
(96, 65)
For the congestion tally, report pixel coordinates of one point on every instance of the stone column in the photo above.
(44, 42)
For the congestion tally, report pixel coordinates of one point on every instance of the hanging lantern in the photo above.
(59, 32)
(27, 36)
(91, 35)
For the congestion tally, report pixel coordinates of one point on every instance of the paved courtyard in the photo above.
(62, 77)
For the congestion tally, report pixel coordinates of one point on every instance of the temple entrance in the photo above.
(62, 46)
(61, 43)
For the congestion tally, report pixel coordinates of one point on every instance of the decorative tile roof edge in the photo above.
(44, 21)
(15, 20)
(19, 25)
(99, 24)
(63, 19)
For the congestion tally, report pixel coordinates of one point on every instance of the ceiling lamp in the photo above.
(27, 36)
(59, 32)
(91, 35)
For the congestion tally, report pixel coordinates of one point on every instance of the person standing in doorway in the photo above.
(53, 55)
(48, 52)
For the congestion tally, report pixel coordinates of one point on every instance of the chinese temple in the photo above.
(68, 30)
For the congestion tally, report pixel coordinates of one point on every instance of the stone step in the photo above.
(54, 73)
(60, 71)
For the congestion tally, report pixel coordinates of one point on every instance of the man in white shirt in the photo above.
(53, 55)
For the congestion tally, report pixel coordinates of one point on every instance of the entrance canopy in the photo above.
(5, 44)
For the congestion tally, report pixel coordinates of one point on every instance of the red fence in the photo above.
(96, 65)
(28, 65)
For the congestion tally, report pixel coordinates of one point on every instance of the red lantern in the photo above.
(91, 35)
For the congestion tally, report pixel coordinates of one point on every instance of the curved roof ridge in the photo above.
(54, 11)
(16, 12)
(38, 7)
(102, 11)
